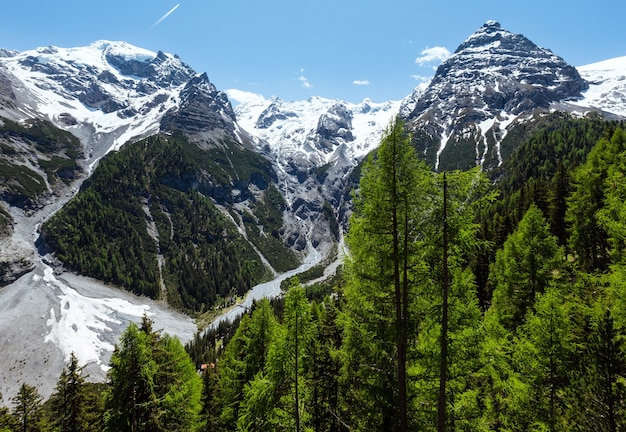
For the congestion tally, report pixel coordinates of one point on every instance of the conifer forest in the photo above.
(476, 300)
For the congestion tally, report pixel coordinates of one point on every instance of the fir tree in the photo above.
(69, 400)
(27, 409)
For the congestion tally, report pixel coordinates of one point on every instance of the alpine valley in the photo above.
(129, 184)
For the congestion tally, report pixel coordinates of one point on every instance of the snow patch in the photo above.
(82, 320)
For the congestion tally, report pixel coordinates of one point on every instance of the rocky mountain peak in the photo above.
(109, 93)
(203, 112)
(491, 36)
(492, 77)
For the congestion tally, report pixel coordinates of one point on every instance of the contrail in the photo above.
(160, 20)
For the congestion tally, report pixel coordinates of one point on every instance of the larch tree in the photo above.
(612, 216)
(153, 384)
(68, 402)
(588, 236)
(544, 354)
(6, 420)
(210, 402)
(274, 399)
(27, 409)
(450, 324)
(524, 267)
(131, 397)
(244, 357)
(390, 207)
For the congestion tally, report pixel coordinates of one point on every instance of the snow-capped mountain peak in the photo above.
(493, 77)
(315, 128)
(106, 93)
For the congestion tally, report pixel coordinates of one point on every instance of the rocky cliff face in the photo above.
(491, 79)
(314, 145)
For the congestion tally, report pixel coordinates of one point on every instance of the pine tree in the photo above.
(544, 353)
(274, 399)
(612, 216)
(131, 399)
(529, 259)
(597, 393)
(500, 389)
(210, 401)
(7, 423)
(153, 383)
(380, 278)
(243, 358)
(27, 409)
(177, 386)
(69, 400)
(588, 238)
(324, 393)
(609, 372)
(558, 205)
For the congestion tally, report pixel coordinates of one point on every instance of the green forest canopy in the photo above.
(540, 349)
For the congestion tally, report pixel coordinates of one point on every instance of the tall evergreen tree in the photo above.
(131, 398)
(324, 393)
(27, 409)
(544, 353)
(178, 387)
(601, 390)
(612, 216)
(381, 274)
(588, 238)
(68, 402)
(274, 399)
(557, 207)
(6, 420)
(524, 267)
(153, 384)
(440, 376)
(210, 400)
(500, 389)
(243, 358)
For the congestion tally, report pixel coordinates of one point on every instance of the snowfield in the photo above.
(607, 86)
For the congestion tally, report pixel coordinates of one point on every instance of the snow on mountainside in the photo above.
(607, 86)
(109, 93)
(314, 145)
(106, 93)
(316, 129)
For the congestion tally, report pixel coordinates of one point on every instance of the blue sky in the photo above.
(344, 49)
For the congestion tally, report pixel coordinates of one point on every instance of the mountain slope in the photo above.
(314, 145)
(106, 93)
(190, 214)
(189, 181)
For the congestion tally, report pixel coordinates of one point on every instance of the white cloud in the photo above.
(361, 82)
(304, 81)
(421, 78)
(241, 96)
(433, 55)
